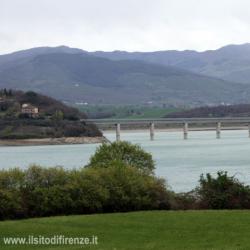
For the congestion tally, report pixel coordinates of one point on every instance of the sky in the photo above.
(132, 25)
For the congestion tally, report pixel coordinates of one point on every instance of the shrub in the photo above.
(11, 202)
(9, 206)
(74, 130)
(129, 189)
(41, 191)
(185, 201)
(118, 153)
(223, 192)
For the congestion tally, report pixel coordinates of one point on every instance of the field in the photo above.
(160, 230)
(125, 112)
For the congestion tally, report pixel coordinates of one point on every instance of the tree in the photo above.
(223, 192)
(122, 152)
(39, 191)
(129, 189)
(58, 116)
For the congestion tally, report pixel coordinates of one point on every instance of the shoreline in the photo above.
(97, 140)
(52, 141)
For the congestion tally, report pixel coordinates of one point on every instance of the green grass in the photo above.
(194, 230)
(126, 112)
(153, 112)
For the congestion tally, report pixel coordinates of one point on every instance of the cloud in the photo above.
(141, 25)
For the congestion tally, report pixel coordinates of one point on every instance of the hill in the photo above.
(76, 76)
(161, 230)
(241, 110)
(231, 63)
(28, 115)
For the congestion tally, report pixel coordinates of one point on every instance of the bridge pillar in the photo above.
(118, 132)
(152, 131)
(185, 131)
(218, 130)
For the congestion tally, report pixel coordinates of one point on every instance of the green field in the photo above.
(125, 112)
(160, 230)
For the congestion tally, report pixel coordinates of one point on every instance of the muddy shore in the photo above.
(53, 141)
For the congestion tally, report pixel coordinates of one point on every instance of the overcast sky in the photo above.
(133, 25)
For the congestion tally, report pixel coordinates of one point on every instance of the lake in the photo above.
(179, 162)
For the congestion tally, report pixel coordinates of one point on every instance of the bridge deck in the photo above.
(171, 120)
(150, 123)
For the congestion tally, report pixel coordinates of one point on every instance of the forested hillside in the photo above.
(77, 76)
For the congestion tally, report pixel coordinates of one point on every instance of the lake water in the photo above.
(179, 162)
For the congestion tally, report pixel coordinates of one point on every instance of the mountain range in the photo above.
(231, 63)
(163, 77)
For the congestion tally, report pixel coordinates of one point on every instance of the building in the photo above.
(30, 110)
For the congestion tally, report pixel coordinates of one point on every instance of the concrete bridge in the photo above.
(215, 123)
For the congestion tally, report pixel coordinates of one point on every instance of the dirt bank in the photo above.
(53, 141)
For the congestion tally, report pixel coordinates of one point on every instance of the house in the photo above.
(30, 110)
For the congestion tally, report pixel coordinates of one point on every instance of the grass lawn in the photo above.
(160, 230)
